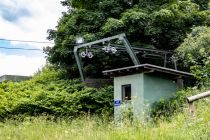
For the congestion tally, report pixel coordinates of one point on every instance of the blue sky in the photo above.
(25, 20)
(12, 13)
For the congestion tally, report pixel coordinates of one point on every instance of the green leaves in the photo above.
(135, 18)
(113, 25)
(194, 53)
(47, 93)
(161, 24)
(202, 3)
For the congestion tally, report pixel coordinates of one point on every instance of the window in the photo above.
(126, 92)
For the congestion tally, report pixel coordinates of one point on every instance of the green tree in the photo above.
(202, 3)
(161, 24)
(194, 53)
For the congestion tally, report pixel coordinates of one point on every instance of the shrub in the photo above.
(194, 53)
(170, 107)
(48, 93)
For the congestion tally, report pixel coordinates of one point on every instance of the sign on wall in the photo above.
(117, 102)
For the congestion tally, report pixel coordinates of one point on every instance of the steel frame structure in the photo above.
(121, 37)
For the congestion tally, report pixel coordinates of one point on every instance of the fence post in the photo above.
(191, 100)
(192, 109)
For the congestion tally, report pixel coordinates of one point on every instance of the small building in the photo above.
(14, 78)
(143, 85)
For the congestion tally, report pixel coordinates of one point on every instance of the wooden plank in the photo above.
(198, 96)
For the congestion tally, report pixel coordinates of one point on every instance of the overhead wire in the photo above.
(26, 41)
(9, 48)
(32, 41)
(44, 42)
(23, 41)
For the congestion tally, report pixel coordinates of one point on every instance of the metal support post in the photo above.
(165, 60)
(175, 64)
(130, 51)
(79, 64)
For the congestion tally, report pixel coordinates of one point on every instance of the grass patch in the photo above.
(87, 127)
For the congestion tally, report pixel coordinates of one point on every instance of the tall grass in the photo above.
(86, 127)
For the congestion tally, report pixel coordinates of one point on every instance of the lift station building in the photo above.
(144, 85)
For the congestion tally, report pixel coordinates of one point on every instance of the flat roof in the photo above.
(145, 68)
(14, 75)
(13, 78)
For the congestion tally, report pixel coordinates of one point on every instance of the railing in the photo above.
(191, 100)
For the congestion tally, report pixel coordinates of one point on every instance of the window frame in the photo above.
(123, 90)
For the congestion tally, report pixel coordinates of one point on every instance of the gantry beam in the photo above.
(121, 37)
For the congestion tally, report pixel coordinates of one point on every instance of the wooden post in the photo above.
(180, 83)
(191, 100)
(192, 109)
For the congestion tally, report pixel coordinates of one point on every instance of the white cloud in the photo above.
(20, 65)
(44, 15)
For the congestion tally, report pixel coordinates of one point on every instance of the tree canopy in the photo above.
(194, 53)
(161, 24)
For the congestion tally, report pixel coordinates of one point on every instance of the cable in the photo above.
(20, 49)
(26, 41)
(42, 42)
(31, 41)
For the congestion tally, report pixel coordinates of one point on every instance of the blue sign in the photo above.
(117, 102)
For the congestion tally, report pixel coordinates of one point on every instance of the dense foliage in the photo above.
(194, 53)
(155, 24)
(49, 94)
(182, 127)
(166, 108)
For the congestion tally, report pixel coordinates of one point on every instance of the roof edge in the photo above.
(149, 67)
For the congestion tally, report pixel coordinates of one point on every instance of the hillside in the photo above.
(181, 126)
(47, 107)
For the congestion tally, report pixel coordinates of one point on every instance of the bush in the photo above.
(47, 93)
(194, 53)
(170, 107)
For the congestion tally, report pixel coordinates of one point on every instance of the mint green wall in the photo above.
(145, 90)
(157, 88)
(137, 90)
